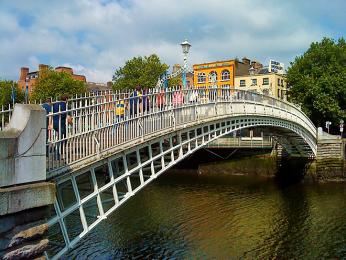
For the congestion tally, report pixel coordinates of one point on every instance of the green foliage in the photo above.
(176, 81)
(53, 84)
(6, 93)
(143, 71)
(318, 81)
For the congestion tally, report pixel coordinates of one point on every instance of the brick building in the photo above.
(29, 79)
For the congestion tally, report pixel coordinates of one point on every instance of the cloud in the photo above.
(97, 36)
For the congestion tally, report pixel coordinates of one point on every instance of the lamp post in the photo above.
(328, 123)
(185, 45)
(341, 127)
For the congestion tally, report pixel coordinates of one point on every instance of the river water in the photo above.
(190, 216)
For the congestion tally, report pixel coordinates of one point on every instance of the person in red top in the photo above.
(160, 99)
(178, 98)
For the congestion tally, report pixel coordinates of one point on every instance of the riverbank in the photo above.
(258, 163)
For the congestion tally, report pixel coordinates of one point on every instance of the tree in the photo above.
(53, 84)
(318, 81)
(6, 93)
(175, 81)
(143, 71)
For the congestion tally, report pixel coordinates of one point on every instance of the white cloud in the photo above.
(95, 37)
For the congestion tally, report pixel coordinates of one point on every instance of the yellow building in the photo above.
(271, 84)
(223, 72)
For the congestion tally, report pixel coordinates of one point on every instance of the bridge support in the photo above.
(24, 195)
(330, 157)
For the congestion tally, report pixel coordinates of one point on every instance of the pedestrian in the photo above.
(160, 99)
(119, 110)
(193, 96)
(178, 97)
(47, 105)
(145, 101)
(135, 101)
(60, 120)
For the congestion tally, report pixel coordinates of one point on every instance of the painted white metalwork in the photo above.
(89, 128)
(5, 116)
(107, 156)
(242, 142)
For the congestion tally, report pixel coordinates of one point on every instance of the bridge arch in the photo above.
(106, 185)
(115, 160)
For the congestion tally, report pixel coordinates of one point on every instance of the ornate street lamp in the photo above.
(185, 45)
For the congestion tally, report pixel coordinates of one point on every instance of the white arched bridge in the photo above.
(118, 142)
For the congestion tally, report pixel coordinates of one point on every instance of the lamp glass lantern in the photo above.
(185, 46)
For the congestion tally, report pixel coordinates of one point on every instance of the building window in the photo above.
(282, 82)
(253, 82)
(265, 81)
(242, 83)
(278, 82)
(201, 77)
(225, 75)
(212, 76)
(278, 93)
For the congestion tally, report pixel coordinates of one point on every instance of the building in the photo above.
(264, 82)
(28, 79)
(220, 73)
(189, 75)
(96, 87)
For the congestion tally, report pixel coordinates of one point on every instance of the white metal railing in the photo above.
(5, 116)
(93, 123)
(243, 142)
(88, 125)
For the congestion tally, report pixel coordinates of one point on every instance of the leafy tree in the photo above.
(53, 84)
(176, 81)
(6, 93)
(318, 81)
(143, 71)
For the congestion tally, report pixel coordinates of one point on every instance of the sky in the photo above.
(95, 37)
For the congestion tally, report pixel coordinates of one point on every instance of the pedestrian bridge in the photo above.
(102, 156)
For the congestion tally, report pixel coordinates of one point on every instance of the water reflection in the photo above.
(222, 216)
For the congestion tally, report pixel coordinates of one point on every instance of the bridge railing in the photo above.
(5, 116)
(89, 125)
(242, 142)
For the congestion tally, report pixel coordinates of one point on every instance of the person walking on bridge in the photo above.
(135, 101)
(60, 118)
(178, 97)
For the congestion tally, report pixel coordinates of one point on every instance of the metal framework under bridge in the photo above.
(117, 143)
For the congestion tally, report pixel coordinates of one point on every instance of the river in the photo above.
(214, 216)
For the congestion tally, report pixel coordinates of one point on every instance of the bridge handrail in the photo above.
(95, 117)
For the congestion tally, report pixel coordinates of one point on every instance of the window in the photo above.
(242, 83)
(225, 75)
(201, 77)
(253, 82)
(278, 82)
(282, 82)
(278, 93)
(265, 81)
(212, 76)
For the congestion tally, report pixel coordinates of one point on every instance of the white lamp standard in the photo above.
(185, 45)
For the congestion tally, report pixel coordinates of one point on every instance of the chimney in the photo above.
(246, 61)
(109, 84)
(23, 73)
(42, 67)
